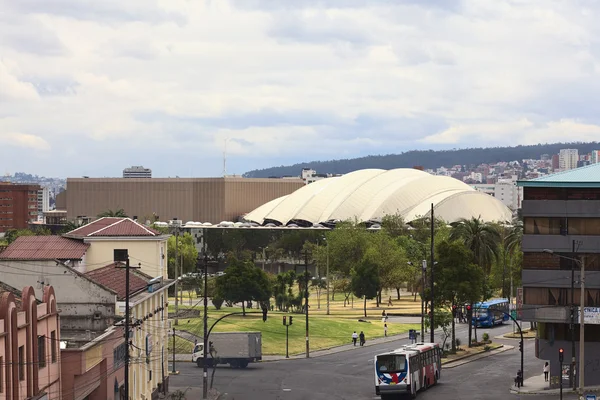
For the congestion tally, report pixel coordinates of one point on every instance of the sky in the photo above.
(89, 87)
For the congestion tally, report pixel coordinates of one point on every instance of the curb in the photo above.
(473, 357)
(552, 391)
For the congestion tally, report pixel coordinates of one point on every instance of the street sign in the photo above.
(513, 313)
(591, 315)
(590, 397)
(520, 303)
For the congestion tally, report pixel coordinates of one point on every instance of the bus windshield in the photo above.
(391, 363)
(481, 313)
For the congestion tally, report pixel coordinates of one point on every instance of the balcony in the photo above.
(560, 243)
(561, 208)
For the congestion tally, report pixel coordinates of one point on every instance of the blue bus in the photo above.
(490, 313)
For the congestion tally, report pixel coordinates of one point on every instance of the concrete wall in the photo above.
(561, 208)
(90, 370)
(190, 199)
(548, 351)
(78, 298)
(147, 251)
(560, 243)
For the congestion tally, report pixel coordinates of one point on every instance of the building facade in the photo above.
(30, 360)
(567, 159)
(43, 202)
(18, 205)
(137, 171)
(595, 156)
(561, 214)
(189, 199)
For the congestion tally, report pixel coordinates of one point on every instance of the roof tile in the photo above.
(114, 278)
(44, 248)
(111, 226)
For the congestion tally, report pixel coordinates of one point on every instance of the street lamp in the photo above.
(264, 256)
(327, 271)
(423, 275)
(581, 263)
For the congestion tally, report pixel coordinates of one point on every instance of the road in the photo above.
(349, 375)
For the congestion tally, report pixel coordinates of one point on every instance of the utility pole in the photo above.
(306, 300)
(327, 273)
(204, 352)
(174, 371)
(572, 369)
(432, 308)
(581, 371)
(120, 255)
(176, 223)
(423, 276)
(264, 256)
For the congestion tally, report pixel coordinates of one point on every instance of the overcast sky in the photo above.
(88, 87)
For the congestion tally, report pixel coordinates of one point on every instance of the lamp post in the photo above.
(176, 224)
(327, 273)
(264, 256)
(205, 323)
(432, 308)
(581, 263)
(306, 300)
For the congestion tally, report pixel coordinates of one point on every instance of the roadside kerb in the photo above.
(474, 357)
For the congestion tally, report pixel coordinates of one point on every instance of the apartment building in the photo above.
(137, 171)
(561, 213)
(18, 205)
(567, 159)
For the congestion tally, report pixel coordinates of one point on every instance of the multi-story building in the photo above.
(190, 199)
(505, 190)
(595, 156)
(18, 205)
(562, 224)
(137, 171)
(43, 202)
(30, 362)
(555, 162)
(567, 159)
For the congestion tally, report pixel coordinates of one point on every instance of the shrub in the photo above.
(458, 342)
(486, 337)
(487, 348)
(217, 302)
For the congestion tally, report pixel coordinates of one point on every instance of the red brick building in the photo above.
(18, 205)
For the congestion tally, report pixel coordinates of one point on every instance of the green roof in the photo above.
(584, 177)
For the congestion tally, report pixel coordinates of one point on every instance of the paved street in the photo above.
(349, 375)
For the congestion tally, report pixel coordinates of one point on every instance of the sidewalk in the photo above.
(473, 357)
(537, 385)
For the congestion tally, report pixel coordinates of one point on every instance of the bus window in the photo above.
(391, 363)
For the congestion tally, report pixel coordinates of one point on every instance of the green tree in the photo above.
(186, 252)
(479, 237)
(120, 213)
(365, 282)
(12, 234)
(458, 280)
(244, 282)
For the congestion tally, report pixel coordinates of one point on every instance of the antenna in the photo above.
(225, 158)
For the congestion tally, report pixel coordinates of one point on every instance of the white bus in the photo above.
(407, 370)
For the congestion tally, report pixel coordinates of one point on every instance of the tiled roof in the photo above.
(44, 248)
(114, 278)
(588, 176)
(111, 226)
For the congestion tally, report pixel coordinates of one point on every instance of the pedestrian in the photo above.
(385, 330)
(546, 371)
(354, 337)
(362, 338)
(390, 304)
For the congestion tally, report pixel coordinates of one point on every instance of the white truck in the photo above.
(237, 349)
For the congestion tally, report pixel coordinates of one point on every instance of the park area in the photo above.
(326, 331)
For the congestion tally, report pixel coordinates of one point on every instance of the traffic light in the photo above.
(521, 346)
(291, 319)
(561, 354)
(265, 310)
(284, 317)
(468, 308)
(453, 309)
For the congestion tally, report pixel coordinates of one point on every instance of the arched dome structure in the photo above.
(371, 194)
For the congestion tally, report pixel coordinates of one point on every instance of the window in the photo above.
(119, 355)
(21, 363)
(1, 375)
(544, 226)
(53, 345)
(584, 226)
(41, 351)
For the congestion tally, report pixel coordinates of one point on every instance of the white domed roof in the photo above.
(371, 194)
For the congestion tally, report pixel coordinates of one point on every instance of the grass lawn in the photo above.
(527, 334)
(182, 346)
(325, 331)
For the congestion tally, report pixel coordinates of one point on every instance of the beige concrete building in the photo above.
(189, 199)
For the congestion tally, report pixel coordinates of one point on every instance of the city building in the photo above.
(137, 171)
(147, 247)
(18, 205)
(555, 162)
(595, 156)
(43, 202)
(190, 199)
(30, 361)
(562, 223)
(567, 159)
(92, 303)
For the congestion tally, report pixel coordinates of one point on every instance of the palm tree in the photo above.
(480, 237)
(120, 213)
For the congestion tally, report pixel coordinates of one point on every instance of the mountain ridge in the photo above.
(428, 159)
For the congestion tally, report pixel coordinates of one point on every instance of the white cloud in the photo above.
(290, 80)
(23, 140)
